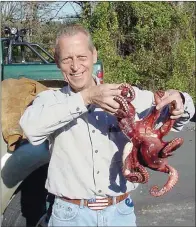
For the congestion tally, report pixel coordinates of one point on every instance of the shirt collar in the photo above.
(71, 92)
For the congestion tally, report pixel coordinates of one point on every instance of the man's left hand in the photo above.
(172, 96)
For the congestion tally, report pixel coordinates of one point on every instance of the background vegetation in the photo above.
(150, 44)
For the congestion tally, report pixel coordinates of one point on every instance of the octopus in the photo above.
(147, 150)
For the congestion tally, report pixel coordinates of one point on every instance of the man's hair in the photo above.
(71, 30)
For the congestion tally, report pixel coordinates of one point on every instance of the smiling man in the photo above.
(85, 173)
(75, 57)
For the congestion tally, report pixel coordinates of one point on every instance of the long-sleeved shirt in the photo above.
(85, 142)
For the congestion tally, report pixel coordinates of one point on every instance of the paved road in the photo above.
(177, 208)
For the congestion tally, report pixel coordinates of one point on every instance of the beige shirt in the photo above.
(85, 143)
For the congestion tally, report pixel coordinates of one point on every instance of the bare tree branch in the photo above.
(58, 11)
(77, 15)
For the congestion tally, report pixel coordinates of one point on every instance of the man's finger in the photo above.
(170, 99)
(164, 102)
(175, 116)
(113, 86)
(112, 93)
(109, 101)
(114, 104)
(177, 112)
(177, 105)
(110, 109)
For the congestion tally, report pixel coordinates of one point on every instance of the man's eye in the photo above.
(66, 60)
(82, 58)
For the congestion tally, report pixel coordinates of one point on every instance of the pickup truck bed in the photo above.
(39, 72)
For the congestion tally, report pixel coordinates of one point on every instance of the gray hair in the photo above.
(71, 30)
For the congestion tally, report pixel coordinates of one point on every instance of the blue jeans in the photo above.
(69, 214)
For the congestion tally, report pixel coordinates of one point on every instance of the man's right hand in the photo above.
(103, 96)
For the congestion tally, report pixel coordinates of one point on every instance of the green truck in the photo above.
(23, 174)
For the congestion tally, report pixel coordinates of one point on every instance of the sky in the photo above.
(70, 9)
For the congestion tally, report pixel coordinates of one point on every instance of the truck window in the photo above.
(22, 54)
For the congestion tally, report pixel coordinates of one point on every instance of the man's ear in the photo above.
(94, 55)
(56, 59)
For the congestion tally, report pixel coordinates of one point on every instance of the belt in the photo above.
(97, 203)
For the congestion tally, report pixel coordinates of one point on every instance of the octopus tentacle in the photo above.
(127, 89)
(125, 125)
(172, 180)
(166, 127)
(132, 169)
(123, 103)
(146, 138)
(152, 118)
(144, 173)
(137, 175)
(170, 147)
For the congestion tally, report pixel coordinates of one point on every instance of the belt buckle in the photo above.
(103, 202)
(92, 200)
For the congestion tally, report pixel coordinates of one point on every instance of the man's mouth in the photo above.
(77, 74)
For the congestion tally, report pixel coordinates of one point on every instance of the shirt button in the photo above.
(96, 151)
(99, 191)
(97, 172)
(77, 109)
(93, 131)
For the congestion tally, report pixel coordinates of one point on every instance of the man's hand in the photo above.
(103, 96)
(175, 97)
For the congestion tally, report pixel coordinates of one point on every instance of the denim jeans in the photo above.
(69, 214)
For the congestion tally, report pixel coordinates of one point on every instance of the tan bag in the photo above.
(16, 95)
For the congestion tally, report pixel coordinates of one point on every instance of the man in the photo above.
(85, 168)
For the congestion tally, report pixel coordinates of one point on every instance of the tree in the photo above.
(147, 43)
(151, 44)
(30, 15)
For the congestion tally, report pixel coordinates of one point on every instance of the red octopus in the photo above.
(148, 149)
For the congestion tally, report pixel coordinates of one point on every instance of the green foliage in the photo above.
(104, 28)
(183, 75)
(102, 24)
(151, 44)
(146, 43)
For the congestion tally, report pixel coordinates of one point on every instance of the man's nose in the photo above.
(74, 65)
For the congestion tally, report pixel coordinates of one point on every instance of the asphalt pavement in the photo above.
(177, 207)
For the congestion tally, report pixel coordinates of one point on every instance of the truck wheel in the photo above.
(28, 205)
(13, 215)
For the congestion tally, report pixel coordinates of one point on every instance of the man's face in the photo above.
(76, 61)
